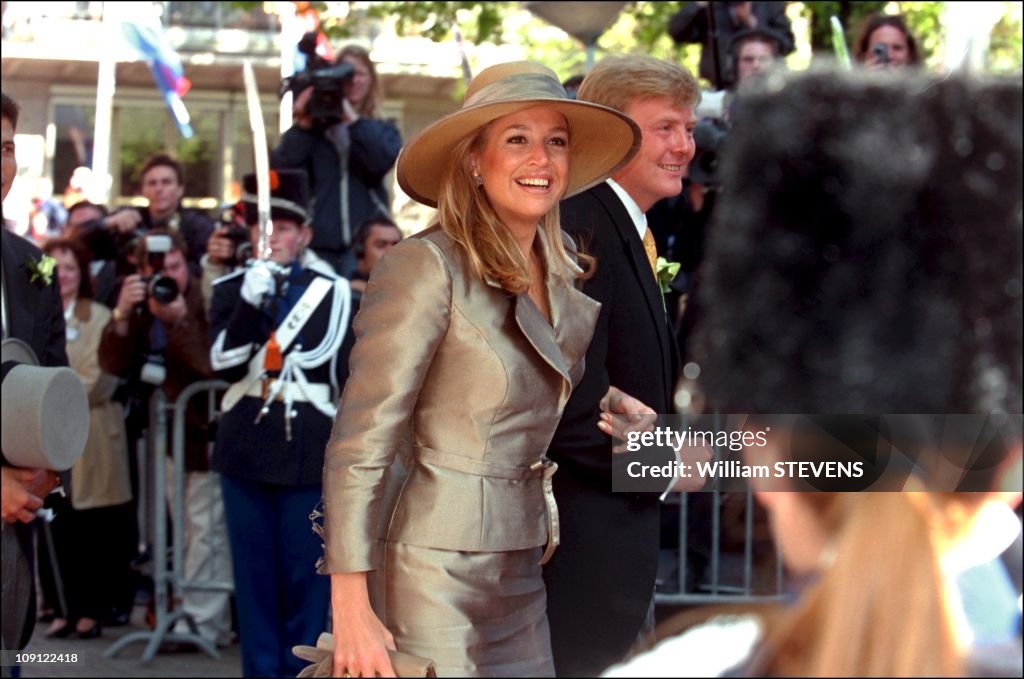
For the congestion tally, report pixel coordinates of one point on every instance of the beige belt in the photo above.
(291, 391)
(542, 469)
(548, 469)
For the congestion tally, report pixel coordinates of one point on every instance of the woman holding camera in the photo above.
(346, 157)
(885, 41)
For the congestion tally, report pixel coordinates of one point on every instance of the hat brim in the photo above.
(252, 214)
(14, 350)
(602, 140)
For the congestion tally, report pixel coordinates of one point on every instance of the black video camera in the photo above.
(327, 80)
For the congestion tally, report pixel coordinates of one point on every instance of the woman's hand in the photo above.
(361, 641)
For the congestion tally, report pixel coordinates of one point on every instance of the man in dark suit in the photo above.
(32, 312)
(600, 583)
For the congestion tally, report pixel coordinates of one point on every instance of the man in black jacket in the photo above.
(601, 581)
(32, 313)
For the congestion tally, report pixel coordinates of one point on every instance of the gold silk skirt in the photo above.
(475, 614)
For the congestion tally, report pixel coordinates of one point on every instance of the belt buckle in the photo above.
(545, 466)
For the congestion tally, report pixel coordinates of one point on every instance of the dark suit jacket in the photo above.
(34, 315)
(601, 580)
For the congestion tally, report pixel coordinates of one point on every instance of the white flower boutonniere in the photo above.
(41, 269)
(666, 273)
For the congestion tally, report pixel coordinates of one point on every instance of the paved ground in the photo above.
(128, 663)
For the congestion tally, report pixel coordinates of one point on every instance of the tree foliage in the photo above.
(642, 26)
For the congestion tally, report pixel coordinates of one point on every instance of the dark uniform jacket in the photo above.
(260, 450)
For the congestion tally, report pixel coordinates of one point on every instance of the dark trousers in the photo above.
(281, 600)
(94, 549)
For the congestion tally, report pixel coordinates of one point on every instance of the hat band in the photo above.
(520, 86)
(278, 203)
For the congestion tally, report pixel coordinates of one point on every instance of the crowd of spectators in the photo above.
(164, 296)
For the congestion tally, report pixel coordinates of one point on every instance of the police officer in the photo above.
(281, 334)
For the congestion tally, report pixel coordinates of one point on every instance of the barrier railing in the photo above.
(729, 575)
(167, 579)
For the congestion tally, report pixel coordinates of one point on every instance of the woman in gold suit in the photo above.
(470, 338)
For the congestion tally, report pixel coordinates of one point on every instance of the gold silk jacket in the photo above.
(466, 382)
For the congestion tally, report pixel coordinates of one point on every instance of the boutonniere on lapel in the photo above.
(41, 269)
(666, 273)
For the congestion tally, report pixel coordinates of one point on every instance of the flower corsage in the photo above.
(41, 269)
(666, 273)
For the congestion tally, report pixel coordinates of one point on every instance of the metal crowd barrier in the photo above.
(165, 580)
(730, 575)
(721, 580)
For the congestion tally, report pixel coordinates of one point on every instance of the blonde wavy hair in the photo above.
(880, 605)
(466, 215)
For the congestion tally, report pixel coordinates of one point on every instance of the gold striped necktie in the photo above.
(652, 251)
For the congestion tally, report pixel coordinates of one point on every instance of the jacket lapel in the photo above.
(573, 315)
(540, 335)
(17, 295)
(634, 247)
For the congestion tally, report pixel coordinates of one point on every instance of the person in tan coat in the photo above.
(92, 529)
(469, 340)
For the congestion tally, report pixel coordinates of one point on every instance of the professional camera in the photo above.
(160, 287)
(881, 52)
(708, 136)
(238, 234)
(327, 80)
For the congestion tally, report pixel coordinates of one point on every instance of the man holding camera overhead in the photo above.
(158, 337)
(343, 147)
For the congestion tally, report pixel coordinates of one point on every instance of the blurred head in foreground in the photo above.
(868, 261)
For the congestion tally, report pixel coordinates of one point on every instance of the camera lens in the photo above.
(163, 289)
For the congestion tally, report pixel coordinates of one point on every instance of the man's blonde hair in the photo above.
(617, 81)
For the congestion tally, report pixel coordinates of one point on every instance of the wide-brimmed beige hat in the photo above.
(603, 139)
(46, 411)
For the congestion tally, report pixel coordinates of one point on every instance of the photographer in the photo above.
(884, 41)
(158, 337)
(693, 24)
(229, 248)
(162, 183)
(346, 153)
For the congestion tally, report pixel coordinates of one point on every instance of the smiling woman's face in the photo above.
(524, 164)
